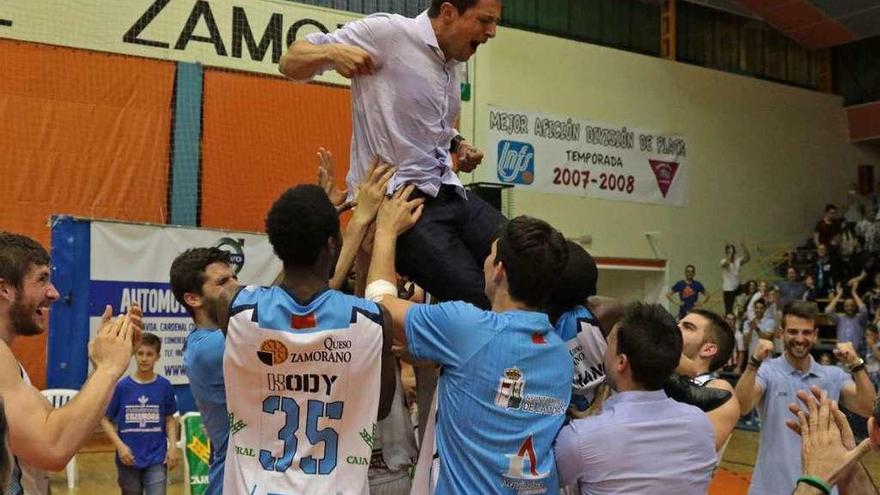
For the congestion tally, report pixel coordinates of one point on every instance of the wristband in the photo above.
(379, 289)
(815, 483)
(858, 367)
(755, 362)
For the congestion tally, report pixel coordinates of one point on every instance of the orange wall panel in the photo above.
(260, 137)
(82, 133)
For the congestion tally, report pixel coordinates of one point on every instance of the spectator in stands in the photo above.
(869, 231)
(688, 292)
(854, 208)
(676, 441)
(812, 293)
(737, 358)
(761, 293)
(850, 247)
(827, 229)
(742, 300)
(769, 384)
(867, 272)
(761, 326)
(871, 296)
(872, 354)
(826, 268)
(851, 324)
(730, 266)
(790, 289)
(773, 306)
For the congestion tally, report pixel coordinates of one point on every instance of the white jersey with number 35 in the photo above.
(302, 389)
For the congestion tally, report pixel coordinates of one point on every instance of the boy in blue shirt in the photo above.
(688, 292)
(140, 422)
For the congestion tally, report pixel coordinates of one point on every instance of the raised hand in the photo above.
(113, 345)
(846, 352)
(764, 349)
(326, 178)
(371, 193)
(829, 448)
(398, 214)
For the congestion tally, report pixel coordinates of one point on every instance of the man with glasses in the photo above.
(773, 385)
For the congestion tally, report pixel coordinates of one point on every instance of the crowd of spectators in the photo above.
(836, 268)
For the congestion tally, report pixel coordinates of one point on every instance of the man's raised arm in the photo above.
(47, 438)
(304, 60)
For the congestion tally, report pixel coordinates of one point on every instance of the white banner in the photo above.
(130, 263)
(568, 155)
(248, 36)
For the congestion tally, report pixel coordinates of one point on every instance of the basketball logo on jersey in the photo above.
(523, 478)
(510, 389)
(272, 352)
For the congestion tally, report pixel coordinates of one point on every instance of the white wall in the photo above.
(765, 157)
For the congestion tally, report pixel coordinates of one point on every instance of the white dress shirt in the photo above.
(641, 443)
(405, 111)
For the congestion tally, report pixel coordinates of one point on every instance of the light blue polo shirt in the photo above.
(779, 453)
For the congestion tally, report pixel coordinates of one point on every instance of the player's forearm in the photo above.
(66, 429)
(857, 481)
(303, 60)
(382, 268)
(351, 243)
(382, 263)
(723, 420)
(746, 389)
(865, 393)
(805, 489)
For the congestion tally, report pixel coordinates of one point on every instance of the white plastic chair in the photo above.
(59, 397)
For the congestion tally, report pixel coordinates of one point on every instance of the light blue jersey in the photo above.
(580, 330)
(502, 396)
(203, 360)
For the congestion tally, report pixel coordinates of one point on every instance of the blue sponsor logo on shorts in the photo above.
(516, 162)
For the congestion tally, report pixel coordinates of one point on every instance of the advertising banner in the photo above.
(569, 155)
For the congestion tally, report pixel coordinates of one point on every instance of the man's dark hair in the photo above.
(692, 267)
(760, 301)
(829, 207)
(576, 284)
(187, 271)
(651, 340)
(534, 255)
(17, 254)
(299, 224)
(151, 340)
(460, 5)
(720, 334)
(799, 309)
